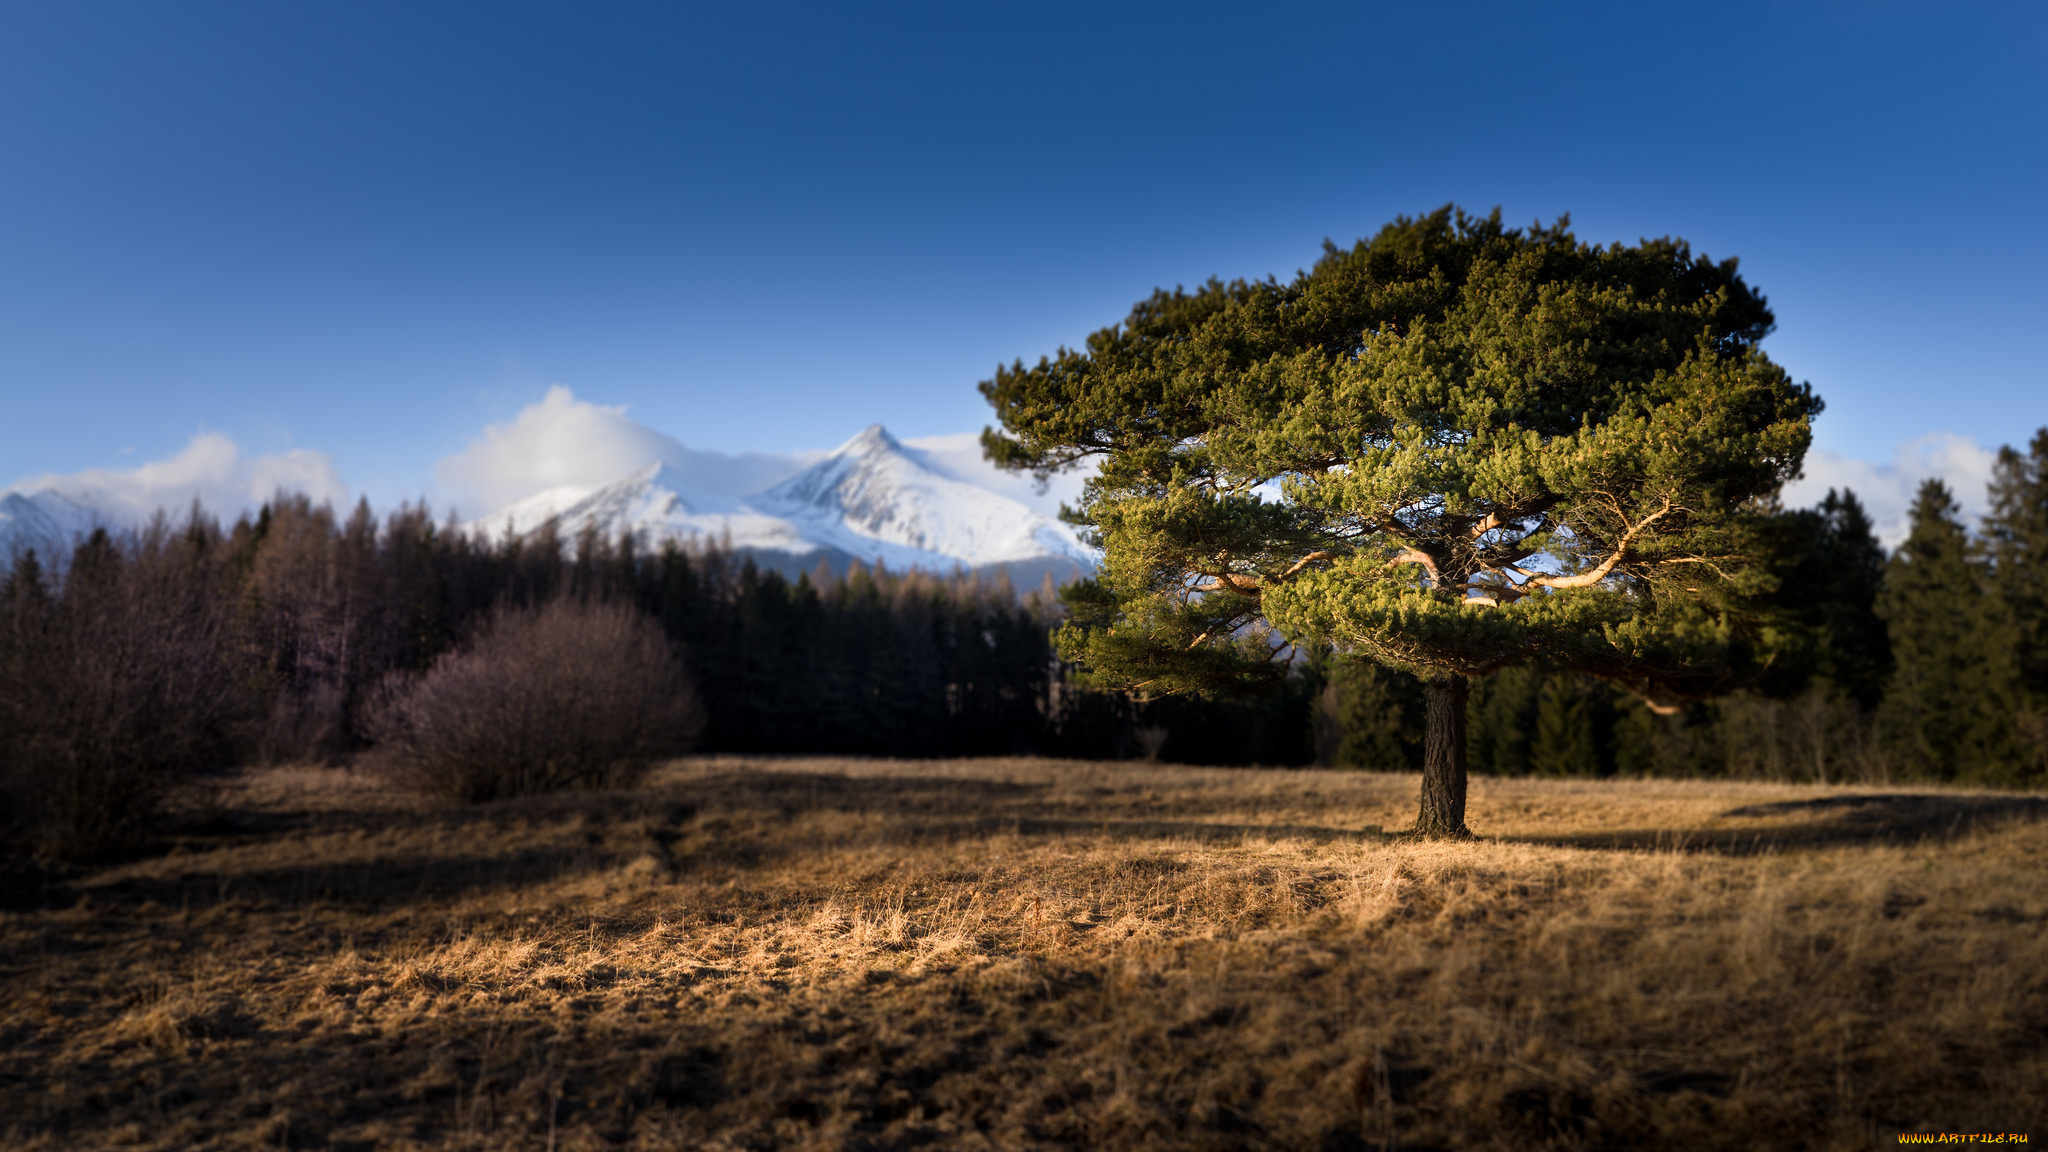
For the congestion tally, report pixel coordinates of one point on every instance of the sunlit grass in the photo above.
(831, 953)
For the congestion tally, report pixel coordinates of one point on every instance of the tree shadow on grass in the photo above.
(727, 820)
(365, 886)
(1118, 829)
(1864, 818)
(738, 820)
(925, 810)
(948, 809)
(826, 791)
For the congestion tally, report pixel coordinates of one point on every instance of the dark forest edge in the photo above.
(189, 646)
(186, 646)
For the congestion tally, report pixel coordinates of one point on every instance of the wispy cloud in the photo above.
(210, 469)
(563, 442)
(1887, 489)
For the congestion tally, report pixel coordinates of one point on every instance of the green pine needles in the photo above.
(1452, 448)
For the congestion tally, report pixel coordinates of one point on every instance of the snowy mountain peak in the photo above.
(871, 490)
(873, 438)
(869, 499)
(47, 521)
(656, 503)
(656, 491)
(663, 485)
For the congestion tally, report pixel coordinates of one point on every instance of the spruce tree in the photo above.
(1379, 715)
(2016, 535)
(1855, 653)
(24, 597)
(1948, 705)
(1503, 720)
(25, 610)
(1574, 728)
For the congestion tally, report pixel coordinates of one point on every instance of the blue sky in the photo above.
(367, 232)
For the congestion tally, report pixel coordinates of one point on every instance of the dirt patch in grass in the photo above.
(1012, 954)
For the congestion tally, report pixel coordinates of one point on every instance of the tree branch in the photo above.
(1708, 562)
(1416, 556)
(1507, 555)
(1589, 578)
(1253, 585)
(1304, 562)
(1230, 580)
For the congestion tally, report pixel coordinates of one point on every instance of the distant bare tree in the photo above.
(567, 695)
(114, 681)
(307, 610)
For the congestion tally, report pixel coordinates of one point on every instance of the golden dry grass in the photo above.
(1018, 954)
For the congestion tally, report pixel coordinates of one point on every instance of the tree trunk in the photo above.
(1443, 759)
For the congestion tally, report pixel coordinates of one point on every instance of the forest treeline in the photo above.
(188, 643)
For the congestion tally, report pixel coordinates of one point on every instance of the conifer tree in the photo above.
(1857, 653)
(1574, 723)
(26, 605)
(1452, 448)
(2016, 533)
(1377, 714)
(25, 597)
(1503, 719)
(1948, 705)
(1828, 566)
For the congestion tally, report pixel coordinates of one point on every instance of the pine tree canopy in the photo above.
(1449, 448)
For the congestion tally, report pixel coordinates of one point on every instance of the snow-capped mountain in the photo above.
(869, 499)
(871, 490)
(656, 503)
(47, 521)
(872, 498)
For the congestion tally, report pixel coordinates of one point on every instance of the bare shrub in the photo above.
(567, 695)
(114, 684)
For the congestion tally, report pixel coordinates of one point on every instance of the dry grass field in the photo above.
(1033, 954)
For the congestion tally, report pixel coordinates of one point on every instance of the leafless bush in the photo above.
(568, 695)
(113, 683)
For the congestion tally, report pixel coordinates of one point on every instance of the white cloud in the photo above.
(565, 443)
(210, 469)
(1886, 490)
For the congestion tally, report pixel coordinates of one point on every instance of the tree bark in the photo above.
(1443, 759)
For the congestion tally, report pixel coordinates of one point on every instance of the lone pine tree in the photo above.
(1451, 448)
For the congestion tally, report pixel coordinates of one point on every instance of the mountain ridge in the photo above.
(870, 500)
(47, 521)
